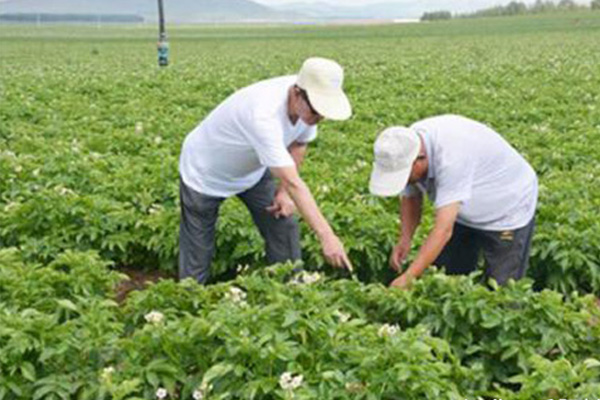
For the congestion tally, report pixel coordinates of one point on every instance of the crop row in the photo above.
(62, 336)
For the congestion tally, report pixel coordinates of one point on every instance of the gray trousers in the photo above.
(506, 253)
(199, 214)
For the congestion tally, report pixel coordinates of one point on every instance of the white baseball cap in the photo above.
(396, 149)
(322, 79)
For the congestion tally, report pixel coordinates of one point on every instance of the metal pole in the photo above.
(163, 45)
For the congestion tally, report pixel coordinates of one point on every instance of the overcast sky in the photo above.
(363, 2)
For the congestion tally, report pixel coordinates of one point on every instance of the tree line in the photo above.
(514, 8)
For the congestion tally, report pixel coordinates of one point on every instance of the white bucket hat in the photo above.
(322, 79)
(396, 149)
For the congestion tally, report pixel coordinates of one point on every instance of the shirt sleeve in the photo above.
(266, 137)
(308, 135)
(410, 191)
(454, 181)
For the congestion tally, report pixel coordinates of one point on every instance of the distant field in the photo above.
(77, 174)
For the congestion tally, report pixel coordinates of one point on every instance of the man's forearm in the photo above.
(410, 216)
(298, 152)
(429, 251)
(308, 208)
(437, 239)
(333, 249)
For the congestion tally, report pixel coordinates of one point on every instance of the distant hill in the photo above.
(324, 10)
(38, 18)
(224, 10)
(176, 10)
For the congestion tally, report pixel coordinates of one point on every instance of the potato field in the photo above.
(90, 134)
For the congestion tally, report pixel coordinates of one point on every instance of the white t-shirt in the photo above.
(472, 164)
(229, 151)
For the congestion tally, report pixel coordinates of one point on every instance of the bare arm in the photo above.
(298, 151)
(283, 205)
(438, 238)
(410, 217)
(333, 249)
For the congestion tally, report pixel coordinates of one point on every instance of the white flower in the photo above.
(161, 393)
(388, 330)
(306, 278)
(198, 394)
(343, 317)
(242, 268)
(297, 381)
(64, 191)
(107, 373)
(289, 382)
(36, 172)
(309, 279)
(324, 188)
(157, 140)
(139, 128)
(18, 169)
(237, 296)
(237, 292)
(154, 317)
(285, 379)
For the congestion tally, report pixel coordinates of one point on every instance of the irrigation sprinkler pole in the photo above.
(163, 45)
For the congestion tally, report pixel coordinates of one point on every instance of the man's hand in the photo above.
(334, 252)
(283, 205)
(399, 254)
(403, 281)
(433, 246)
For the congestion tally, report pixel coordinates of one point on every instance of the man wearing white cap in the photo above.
(260, 132)
(483, 190)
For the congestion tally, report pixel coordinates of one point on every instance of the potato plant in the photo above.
(447, 338)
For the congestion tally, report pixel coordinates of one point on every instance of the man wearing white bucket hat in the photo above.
(259, 132)
(483, 190)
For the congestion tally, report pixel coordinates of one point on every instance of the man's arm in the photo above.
(438, 238)
(410, 217)
(333, 250)
(298, 152)
(283, 205)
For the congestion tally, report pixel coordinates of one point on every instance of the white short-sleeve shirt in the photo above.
(471, 164)
(229, 151)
